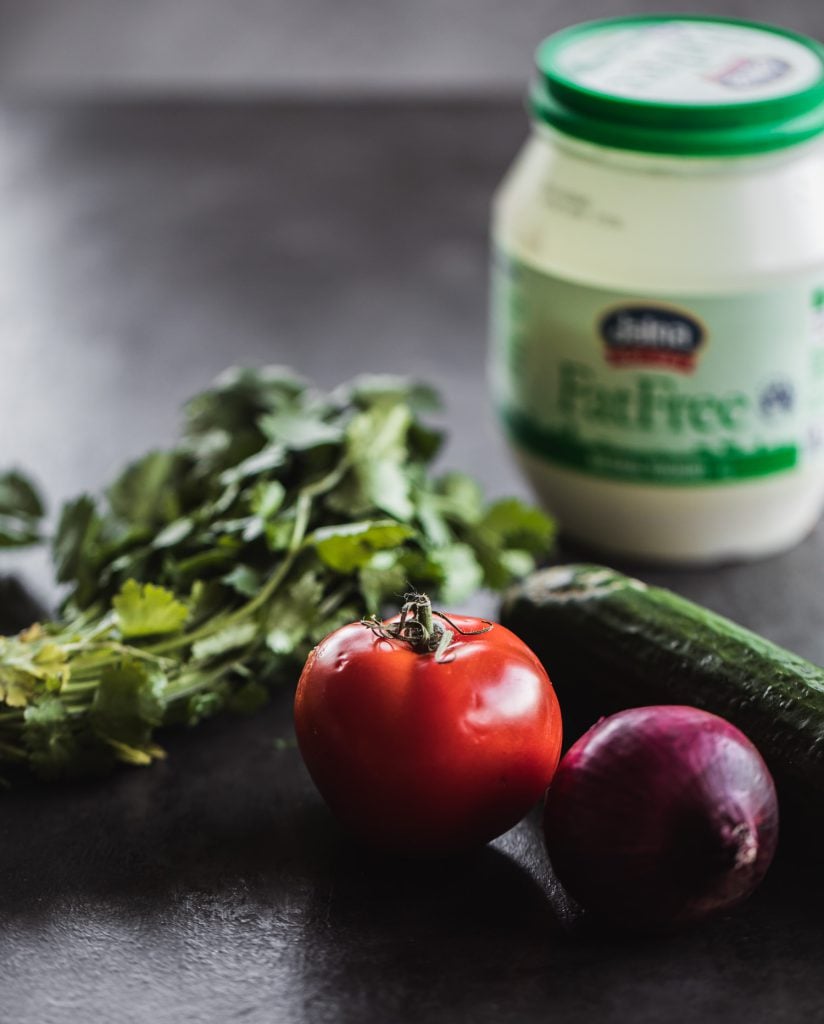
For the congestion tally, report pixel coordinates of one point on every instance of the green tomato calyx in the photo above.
(417, 627)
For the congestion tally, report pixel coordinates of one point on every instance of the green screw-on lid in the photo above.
(687, 85)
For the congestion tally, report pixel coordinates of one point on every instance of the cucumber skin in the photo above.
(610, 642)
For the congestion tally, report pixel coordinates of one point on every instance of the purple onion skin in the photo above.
(661, 816)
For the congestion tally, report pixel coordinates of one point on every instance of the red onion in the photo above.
(661, 815)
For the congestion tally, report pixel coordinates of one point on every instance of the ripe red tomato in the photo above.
(427, 753)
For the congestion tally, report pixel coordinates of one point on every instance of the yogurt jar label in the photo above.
(655, 389)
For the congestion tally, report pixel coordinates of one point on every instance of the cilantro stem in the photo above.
(185, 639)
(113, 646)
(303, 511)
(244, 612)
(268, 590)
(81, 686)
(13, 752)
(176, 692)
(102, 627)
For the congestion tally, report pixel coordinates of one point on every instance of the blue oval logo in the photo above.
(651, 336)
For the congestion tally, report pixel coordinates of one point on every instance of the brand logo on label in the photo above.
(651, 336)
(752, 71)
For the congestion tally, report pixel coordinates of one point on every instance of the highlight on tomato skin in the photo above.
(661, 816)
(427, 750)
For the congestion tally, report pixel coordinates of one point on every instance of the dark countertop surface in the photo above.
(142, 249)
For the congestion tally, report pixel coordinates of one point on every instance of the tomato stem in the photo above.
(417, 627)
(423, 608)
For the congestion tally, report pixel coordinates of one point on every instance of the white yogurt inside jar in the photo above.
(657, 349)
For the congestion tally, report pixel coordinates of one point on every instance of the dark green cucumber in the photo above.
(612, 642)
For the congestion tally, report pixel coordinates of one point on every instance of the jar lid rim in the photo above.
(592, 86)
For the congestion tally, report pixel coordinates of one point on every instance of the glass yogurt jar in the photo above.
(658, 287)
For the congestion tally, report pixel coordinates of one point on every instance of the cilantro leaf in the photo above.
(350, 546)
(370, 389)
(460, 498)
(148, 610)
(244, 580)
(266, 498)
(299, 429)
(270, 458)
(228, 638)
(376, 445)
(21, 510)
(170, 536)
(292, 615)
(514, 524)
(460, 572)
(127, 706)
(18, 496)
(77, 531)
(148, 492)
(49, 738)
(238, 397)
(382, 579)
(17, 686)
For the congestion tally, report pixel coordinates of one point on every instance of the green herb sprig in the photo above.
(208, 570)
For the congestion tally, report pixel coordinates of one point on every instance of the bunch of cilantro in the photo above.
(208, 571)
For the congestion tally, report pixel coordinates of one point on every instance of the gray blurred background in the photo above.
(299, 47)
(295, 181)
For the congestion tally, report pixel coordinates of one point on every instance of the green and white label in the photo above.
(683, 390)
